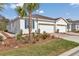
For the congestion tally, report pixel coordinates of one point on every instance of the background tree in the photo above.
(3, 20)
(3, 23)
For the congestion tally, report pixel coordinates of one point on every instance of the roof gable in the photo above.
(62, 19)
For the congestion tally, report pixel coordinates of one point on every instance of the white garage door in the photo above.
(46, 28)
(61, 28)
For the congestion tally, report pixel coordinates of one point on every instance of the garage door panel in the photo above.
(61, 28)
(46, 28)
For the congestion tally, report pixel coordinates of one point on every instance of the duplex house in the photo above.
(43, 23)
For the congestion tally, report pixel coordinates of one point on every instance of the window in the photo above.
(26, 24)
(33, 25)
(68, 26)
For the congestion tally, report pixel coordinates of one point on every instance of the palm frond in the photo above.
(31, 6)
(20, 11)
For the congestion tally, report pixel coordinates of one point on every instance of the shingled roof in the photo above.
(38, 16)
(73, 21)
(43, 17)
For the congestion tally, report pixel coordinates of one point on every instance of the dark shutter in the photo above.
(33, 24)
(26, 24)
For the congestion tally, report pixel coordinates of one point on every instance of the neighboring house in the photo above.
(44, 23)
(73, 25)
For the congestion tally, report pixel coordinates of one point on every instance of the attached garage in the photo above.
(61, 29)
(61, 25)
(46, 28)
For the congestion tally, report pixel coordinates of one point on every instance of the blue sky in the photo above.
(54, 10)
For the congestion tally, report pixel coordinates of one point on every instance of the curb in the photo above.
(70, 52)
(72, 34)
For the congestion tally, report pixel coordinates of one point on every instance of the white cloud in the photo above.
(13, 6)
(39, 11)
(19, 4)
(74, 4)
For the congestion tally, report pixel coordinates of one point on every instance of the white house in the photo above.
(44, 23)
(73, 25)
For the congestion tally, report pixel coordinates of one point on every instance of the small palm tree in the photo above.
(30, 8)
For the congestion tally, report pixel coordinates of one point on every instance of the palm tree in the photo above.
(20, 11)
(30, 8)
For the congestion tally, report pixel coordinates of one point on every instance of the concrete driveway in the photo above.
(69, 37)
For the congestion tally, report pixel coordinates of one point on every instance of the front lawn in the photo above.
(54, 47)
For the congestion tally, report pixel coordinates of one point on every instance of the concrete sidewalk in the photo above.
(72, 52)
(72, 33)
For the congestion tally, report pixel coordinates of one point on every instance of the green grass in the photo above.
(51, 48)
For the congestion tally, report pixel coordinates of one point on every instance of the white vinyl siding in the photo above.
(43, 25)
(61, 25)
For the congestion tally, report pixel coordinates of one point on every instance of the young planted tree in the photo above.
(30, 8)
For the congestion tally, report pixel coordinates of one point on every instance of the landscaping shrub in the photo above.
(6, 30)
(1, 38)
(19, 35)
(45, 35)
(34, 42)
(38, 31)
(76, 31)
(26, 37)
(37, 37)
(33, 34)
(52, 36)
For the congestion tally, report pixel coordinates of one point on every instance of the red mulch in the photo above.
(11, 42)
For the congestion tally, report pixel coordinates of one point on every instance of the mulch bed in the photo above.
(9, 43)
(12, 43)
(20, 45)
